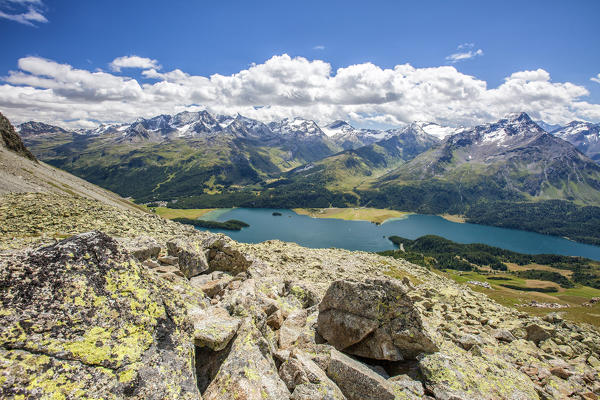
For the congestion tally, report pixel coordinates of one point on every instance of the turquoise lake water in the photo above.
(366, 236)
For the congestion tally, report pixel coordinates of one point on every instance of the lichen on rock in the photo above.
(86, 305)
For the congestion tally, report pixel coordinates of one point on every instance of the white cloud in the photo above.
(468, 52)
(319, 47)
(27, 12)
(133, 62)
(285, 86)
(595, 78)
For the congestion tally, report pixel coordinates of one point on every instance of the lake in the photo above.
(366, 236)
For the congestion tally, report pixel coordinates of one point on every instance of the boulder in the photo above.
(357, 381)
(375, 319)
(222, 255)
(538, 332)
(82, 318)
(141, 247)
(291, 329)
(213, 327)
(191, 255)
(248, 371)
(306, 380)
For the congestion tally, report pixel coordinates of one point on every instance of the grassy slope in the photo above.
(363, 214)
(171, 213)
(177, 168)
(516, 298)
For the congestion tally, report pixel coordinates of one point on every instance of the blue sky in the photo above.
(226, 37)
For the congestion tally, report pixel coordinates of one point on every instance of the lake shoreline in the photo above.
(358, 235)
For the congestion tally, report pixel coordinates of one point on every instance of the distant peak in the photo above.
(337, 124)
(518, 116)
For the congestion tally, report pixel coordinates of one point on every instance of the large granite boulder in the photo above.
(198, 255)
(374, 319)
(191, 256)
(82, 318)
(248, 370)
(141, 247)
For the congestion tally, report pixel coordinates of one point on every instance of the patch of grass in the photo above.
(396, 273)
(519, 298)
(374, 215)
(171, 213)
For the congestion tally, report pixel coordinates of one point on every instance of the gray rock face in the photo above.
(11, 139)
(142, 247)
(374, 319)
(306, 380)
(213, 328)
(192, 260)
(357, 381)
(82, 318)
(249, 371)
(222, 256)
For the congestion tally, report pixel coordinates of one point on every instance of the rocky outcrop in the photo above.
(357, 381)
(249, 371)
(84, 318)
(374, 319)
(212, 253)
(11, 139)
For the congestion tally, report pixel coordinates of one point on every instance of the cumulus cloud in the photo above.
(465, 51)
(284, 86)
(319, 47)
(133, 62)
(595, 78)
(27, 12)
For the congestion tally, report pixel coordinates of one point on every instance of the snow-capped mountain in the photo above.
(33, 128)
(416, 130)
(436, 130)
(298, 127)
(510, 158)
(515, 130)
(583, 135)
(548, 127)
(349, 137)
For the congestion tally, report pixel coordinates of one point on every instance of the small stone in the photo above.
(467, 341)
(537, 332)
(213, 328)
(151, 264)
(561, 372)
(503, 335)
(275, 320)
(168, 260)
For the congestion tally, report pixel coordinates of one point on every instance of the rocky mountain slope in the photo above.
(347, 170)
(12, 141)
(136, 306)
(512, 159)
(583, 135)
(171, 156)
(21, 173)
(349, 137)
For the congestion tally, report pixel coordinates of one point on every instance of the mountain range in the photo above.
(201, 160)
